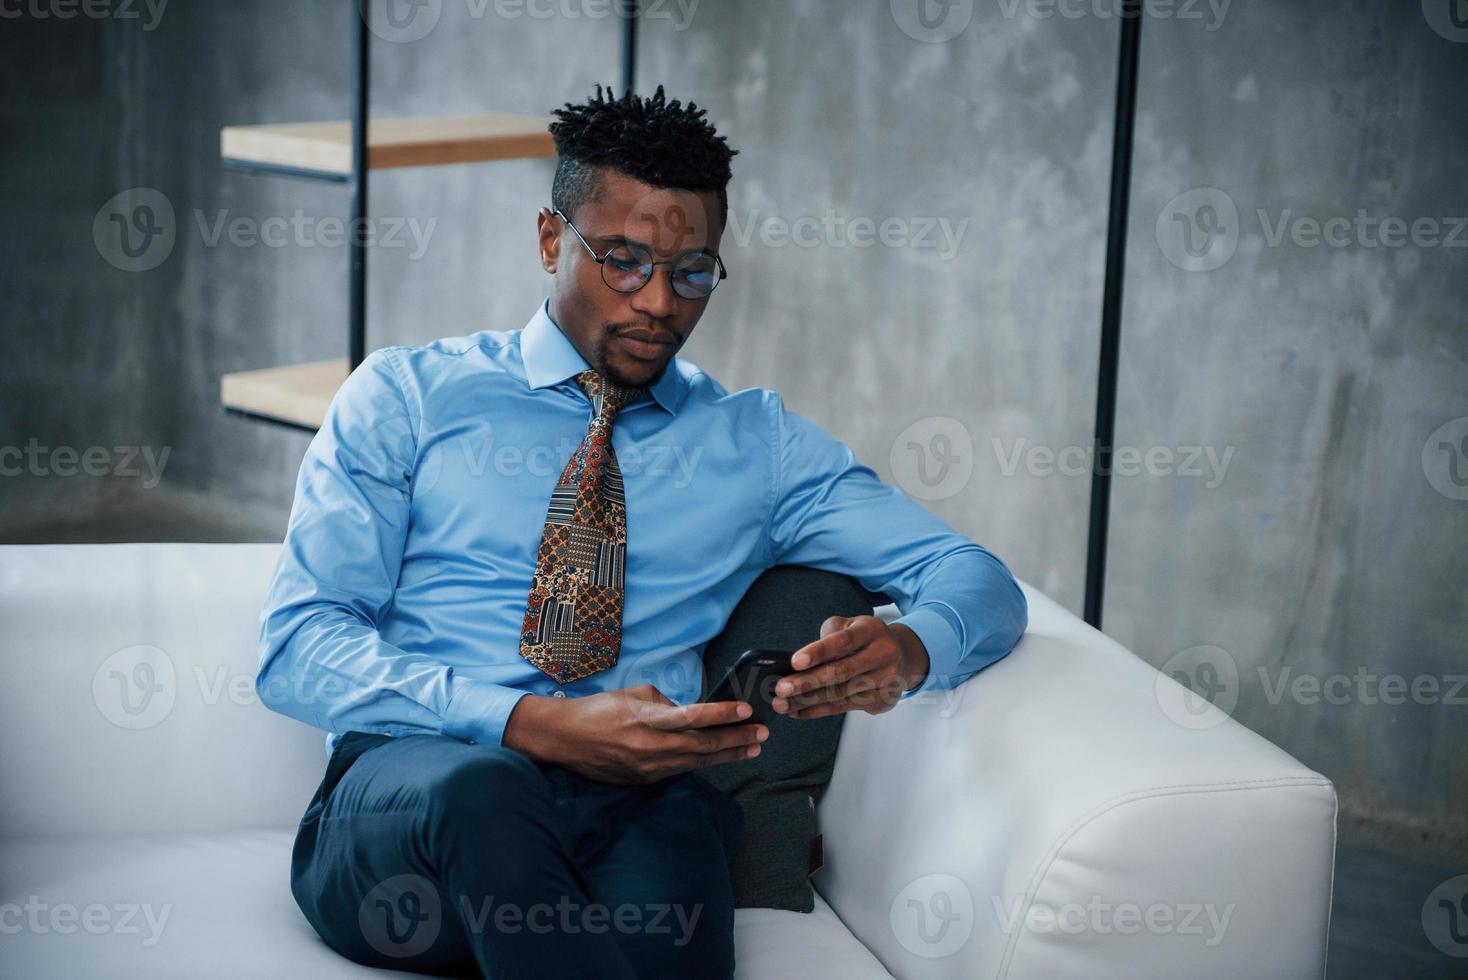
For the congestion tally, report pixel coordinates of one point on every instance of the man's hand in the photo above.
(859, 663)
(632, 735)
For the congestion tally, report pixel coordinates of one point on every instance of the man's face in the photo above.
(628, 337)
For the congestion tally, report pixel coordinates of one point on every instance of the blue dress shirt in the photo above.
(398, 598)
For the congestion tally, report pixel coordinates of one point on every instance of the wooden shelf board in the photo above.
(298, 393)
(325, 147)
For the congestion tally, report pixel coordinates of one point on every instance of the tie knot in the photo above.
(607, 399)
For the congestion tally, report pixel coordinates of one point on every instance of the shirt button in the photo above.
(558, 694)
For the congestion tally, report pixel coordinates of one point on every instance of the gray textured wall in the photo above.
(1326, 552)
(1316, 544)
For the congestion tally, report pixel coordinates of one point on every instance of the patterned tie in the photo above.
(573, 618)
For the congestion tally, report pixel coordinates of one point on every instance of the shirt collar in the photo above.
(550, 358)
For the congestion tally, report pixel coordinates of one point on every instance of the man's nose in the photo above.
(656, 299)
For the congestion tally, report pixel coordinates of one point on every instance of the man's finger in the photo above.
(703, 741)
(700, 715)
(719, 758)
(860, 702)
(863, 690)
(838, 643)
(822, 710)
(862, 661)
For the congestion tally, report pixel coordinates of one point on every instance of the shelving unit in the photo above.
(344, 152)
(298, 395)
(325, 148)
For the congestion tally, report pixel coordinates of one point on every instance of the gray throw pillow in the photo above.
(779, 789)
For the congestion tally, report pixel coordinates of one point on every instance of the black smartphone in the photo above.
(752, 678)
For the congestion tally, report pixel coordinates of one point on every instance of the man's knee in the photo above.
(689, 935)
(483, 782)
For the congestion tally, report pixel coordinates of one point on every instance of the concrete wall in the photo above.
(1327, 550)
(953, 355)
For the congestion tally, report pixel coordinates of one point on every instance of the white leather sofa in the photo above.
(1050, 819)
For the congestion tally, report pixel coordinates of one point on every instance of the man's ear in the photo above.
(549, 227)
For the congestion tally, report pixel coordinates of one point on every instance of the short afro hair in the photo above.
(660, 143)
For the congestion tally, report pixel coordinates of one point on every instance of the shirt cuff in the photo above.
(940, 640)
(478, 711)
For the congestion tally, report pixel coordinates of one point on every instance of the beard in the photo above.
(611, 372)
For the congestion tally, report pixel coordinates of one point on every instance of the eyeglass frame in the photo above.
(601, 262)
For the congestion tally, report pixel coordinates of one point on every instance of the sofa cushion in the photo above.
(779, 789)
(219, 905)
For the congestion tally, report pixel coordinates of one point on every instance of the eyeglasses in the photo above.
(628, 267)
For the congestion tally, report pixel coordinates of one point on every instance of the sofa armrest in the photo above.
(1050, 818)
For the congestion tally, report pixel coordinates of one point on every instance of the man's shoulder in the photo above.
(708, 393)
(484, 348)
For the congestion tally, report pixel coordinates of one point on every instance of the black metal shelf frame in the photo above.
(1103, 446)
(357, 185)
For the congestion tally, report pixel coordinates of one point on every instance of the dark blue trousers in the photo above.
(427, 854)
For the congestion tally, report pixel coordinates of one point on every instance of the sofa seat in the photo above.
(138, 766)
(219, 904)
